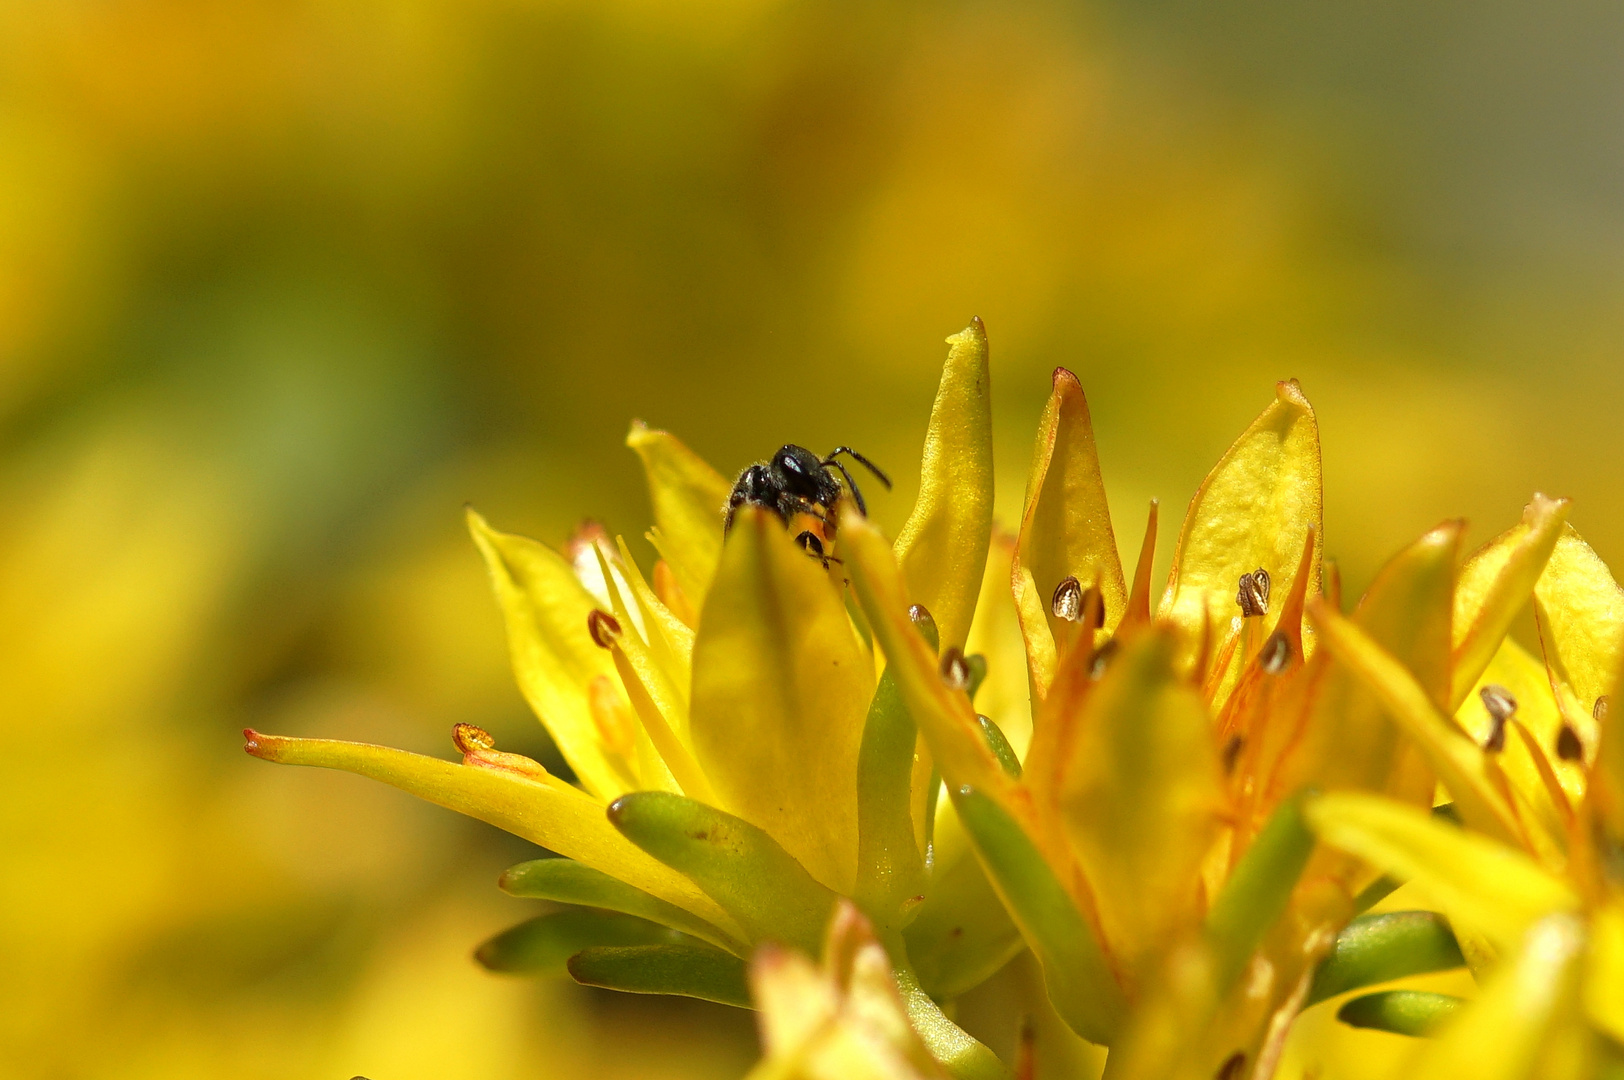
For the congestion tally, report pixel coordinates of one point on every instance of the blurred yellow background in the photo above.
(282, 285)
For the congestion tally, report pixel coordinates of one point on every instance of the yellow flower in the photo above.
(763, 738)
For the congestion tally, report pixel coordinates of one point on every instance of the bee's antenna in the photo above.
(867, 464)
(862, 508)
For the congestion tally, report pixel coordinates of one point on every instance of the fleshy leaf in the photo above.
(1076, 966)
(1507, 1033)
(1456, 760)
(1257, 891)
(943, 545)
(566, 881)
(890, 865)
(962, 933)
(681, 970)
(745, 870)
(1140, 795)
(1252, 511)
(1379, 948)
(1495, 583)
(545, 811)
(545, 607)
(688, 497)
(1402, 1012)
(543, 945)
(780, 687)
(944, 715)
(1065, 526)
(1496, 889)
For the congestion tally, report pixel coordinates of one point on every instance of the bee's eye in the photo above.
(787, 462)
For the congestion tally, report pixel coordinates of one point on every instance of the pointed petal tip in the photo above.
(1065, 378)
(1291, 391)
(252, 743)
(976, 331)
(638, 432)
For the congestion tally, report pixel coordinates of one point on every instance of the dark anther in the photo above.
(1232, 752)
(1253, 595)
(1501, 706)
(603, 627)
(1233, 1066)
(1568, 747)
(955, 669)
(1102, 659)
(1599, 709)
(1276, 653)
(467, 738)
(925, 624)
(1067, 602)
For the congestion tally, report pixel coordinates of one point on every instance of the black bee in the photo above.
(797, 481)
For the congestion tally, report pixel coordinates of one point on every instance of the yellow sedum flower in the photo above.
(778, 753)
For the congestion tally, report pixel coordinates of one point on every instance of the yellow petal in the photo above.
(688, 497)
(1522, 1025)
(943, 545)
(996, 634)
(1515, 670)
(1253, 511)
(1140, 796)
(1477, 880)
(1581, 612)
(1066, 525)
(538, 807)
(945, 716)
(1604, 977)
(780, 687)
(1495, 583)
(1457, 761)
(554, 659)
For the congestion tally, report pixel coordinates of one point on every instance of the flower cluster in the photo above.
(969, 756)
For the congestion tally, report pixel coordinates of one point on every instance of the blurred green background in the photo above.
(282, 285)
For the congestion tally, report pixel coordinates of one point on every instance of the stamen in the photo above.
(470, 739)
(1599, 709)
(955, 669)
(603, 627)
(1232, 752)
(1102, 659)
(1568, 746)
(1253, 595)
(1275, 654)
(1232, 1067)
(1067, 602)
(925, 623)
(1501, 707)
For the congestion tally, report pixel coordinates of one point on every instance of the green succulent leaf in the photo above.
(543, 945)
(890, 866)
(1075, 964)
(736, 864)
(1403, 1012)
(1258, 890)
(1377, 948)
(566, 881)
(682, 970)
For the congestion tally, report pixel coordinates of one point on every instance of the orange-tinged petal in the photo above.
(536, 806)
(1494, 888)
(545, 607)
(1066, 525)
(1495, 583)
(943, 545)
(1140, 796)
(1455, 759)
(688, 497)
(1254, 510)
(780, 686)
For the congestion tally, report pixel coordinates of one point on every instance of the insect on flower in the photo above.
(797, 481)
